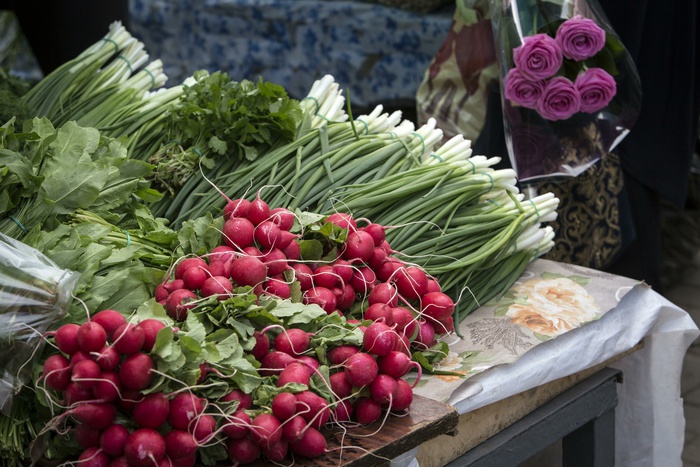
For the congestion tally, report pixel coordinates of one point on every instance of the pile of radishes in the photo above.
(385, 310)
(364, 280)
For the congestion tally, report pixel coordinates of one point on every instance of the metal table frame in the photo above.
(583, 418)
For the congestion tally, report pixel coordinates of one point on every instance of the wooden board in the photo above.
(365, 446)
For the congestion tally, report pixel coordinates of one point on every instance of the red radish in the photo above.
(387, 271)
(292, 341)
(174, 285)
(248, 270)
(195, 277)
(265, 429)
(179, 302)
(110, 320)
(112, 439)
(278, 288)
(244, 400)
(219, 268)
(385, 245)
(303, 274)
(343, 220)
(367, 410)
(294, 373)
(161, 293)
(91, 337)
(379, 312)
(108, 387)
(359, 247)
(238, 233)
(426, 335)
(343, 269)
(93, 457)
(86, 373)
(217, 286)
(340, 385)
(310, 363)
(203, 428)
(313, 408)
(377, 233)
(322, 297)
(57, 372)
(284, 406)
(152, 411)
(237, 425)
(267, 234)
(377, 258)
(363, 280)
(283, 217)
(74, 394)
(445, 325)
(243, 451)
(252, 251)
(78, 357)
(433, 285)
(150, 327)
(292, 251)
(262, 345)
(285, 239)
(338, 355)
(184, 407)
(135, 371)
(274, 362)
(108, 358)
(343, 411)
(258, 211)
(325, 276)
(411, 282)
(404, 396)
(383, 389)
(361, 369)
(179, 443)
(128, 338)
(396, 364)
(187, 263)
(405, 321)
(66, 338)
(86, 437)
(276, 452)
(276, 261)
(293, 428)
(384, 292)
(223, 253)
(129, 398)
(236, 208)
(344, 297)
(143, 447)
(95, 415)
(437, 305)
(403, 344)
(311, 444)
(379, 339)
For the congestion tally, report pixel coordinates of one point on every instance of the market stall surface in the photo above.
(686, 294)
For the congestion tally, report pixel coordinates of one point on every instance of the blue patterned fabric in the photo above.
(379, 53)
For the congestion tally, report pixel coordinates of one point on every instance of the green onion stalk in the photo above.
(66, 86)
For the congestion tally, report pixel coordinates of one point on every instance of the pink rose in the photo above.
(597, 88)
(560, 99)
(580, 38)
(522, 90)
(539, 56)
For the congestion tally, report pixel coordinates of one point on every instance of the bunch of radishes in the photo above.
(362, 279)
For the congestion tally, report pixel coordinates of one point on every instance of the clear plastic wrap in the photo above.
(570, 90)
(34, 293)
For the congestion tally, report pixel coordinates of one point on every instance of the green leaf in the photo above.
(311, 250)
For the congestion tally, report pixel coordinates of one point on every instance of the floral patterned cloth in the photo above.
(378, 52)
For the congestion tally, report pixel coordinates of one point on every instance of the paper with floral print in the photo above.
(548, 300)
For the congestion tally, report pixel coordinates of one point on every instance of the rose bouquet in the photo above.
(570, 89)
